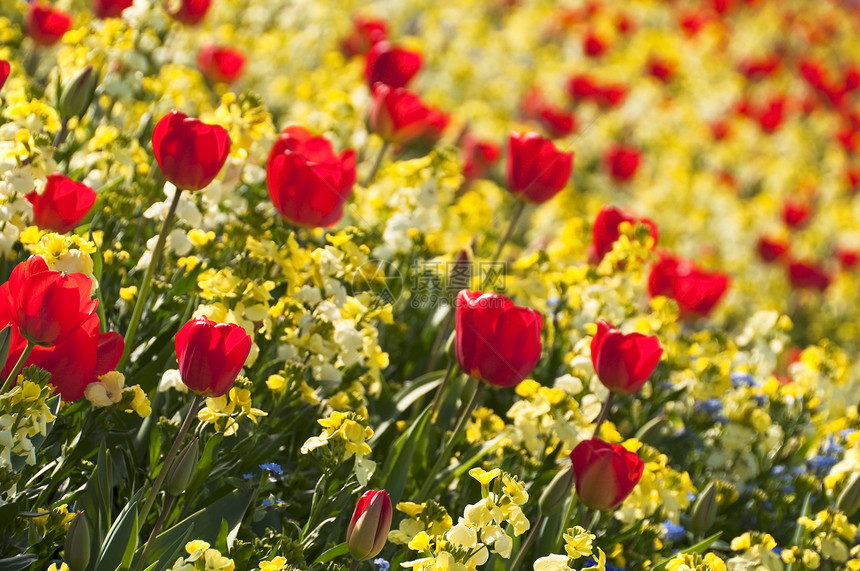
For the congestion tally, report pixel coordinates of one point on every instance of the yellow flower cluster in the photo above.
(694, 562)
(110, 390)
(578, 543)
(345, 435)
(225, 412)
(429, 516)
(24, 413)
(201, 557)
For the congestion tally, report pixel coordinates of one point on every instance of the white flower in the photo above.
(170, 379)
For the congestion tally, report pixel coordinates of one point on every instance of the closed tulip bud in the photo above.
(622, 362)
(189, 152)
(5, 343)
(557, 491)
(210, 355)
(62, 205)
(77, 547)
(78, 93)
(183, 468)
(605, 473)
(705, 509)
(849, 499)
(369, 526)
(536, 170)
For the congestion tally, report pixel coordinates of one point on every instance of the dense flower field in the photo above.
(488, 284)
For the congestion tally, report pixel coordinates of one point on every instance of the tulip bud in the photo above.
(368, 529)
(77, 547)
(849, 499)
(183, 467)
(557, 491)
(5, 343)
(78, 93)
(705, 509)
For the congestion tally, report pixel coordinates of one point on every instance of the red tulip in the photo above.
(496, 341)
(556, 121)
(46, 25)
(110, 8)
(611, 95)
(478, 157)
(796, 213)
(210, 355)
(581, 88)
(62, 205)
(366, 33)
(848, 257)
(399, 116)
(191, 12)
(368, 529)
(307, 182)
(220, 64)
(605, 473)
(391, 65)
(695, 290)
(622, 161)
(189, 152)
(73, 363)
(772, 116)
(593, 45)
(47, 306)
(605, 231)
(808, 275)
(5, 69)
(661, 69)
(536, 170)
(771, 249)
(623, 362)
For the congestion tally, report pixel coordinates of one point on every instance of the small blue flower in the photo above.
(272, 468)
(381, 564)
(248, 476)
(266, 503)
(673, 532)
(743, 380)
(821, 465)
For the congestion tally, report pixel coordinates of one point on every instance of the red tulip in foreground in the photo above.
(307, 182)
(496, 341)
(536, 171)
(366, 33)
(369, 526)
(399, 116)
(46, 25)
(62, 205)
(189, 152)
(695, 290)
(605, 231)
(5, 69)
(220, 64)
(605, 473)
(46, 306)
(210, 355)
(623, 362)
(74, 362)
(191, 12)
(391, 65)
(110, 8)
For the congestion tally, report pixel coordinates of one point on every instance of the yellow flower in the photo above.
(420, 542)
(483, 476)
(578, 542)
(275, 564)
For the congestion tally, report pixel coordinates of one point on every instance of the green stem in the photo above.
(798, 529)
(444, 329)
(604, 412)
(376, 164)
(437, 400)
(61, 134)
(564, 521)
(465, 414)
(354, 566)
(7, 384)
(147, 280)
(515, 217)
(168, 503)
(171, 455)
(527, 544)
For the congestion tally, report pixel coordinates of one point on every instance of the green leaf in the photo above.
(395, 472)
(700, 547)
(18, 562)
(173, 551)
(406, 397)
(207, 521)
(330, 554)
(464, 465)
(121, 540)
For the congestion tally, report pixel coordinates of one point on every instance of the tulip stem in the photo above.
(19, 364)
(147, 280)
(168, 503)
(527, 544)
(354, 566)
(437, 400)
(465, 415)
(61, 134)
(589, 518)
(604, 412)
(376, 164)
(171, 455)
(515, 217)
